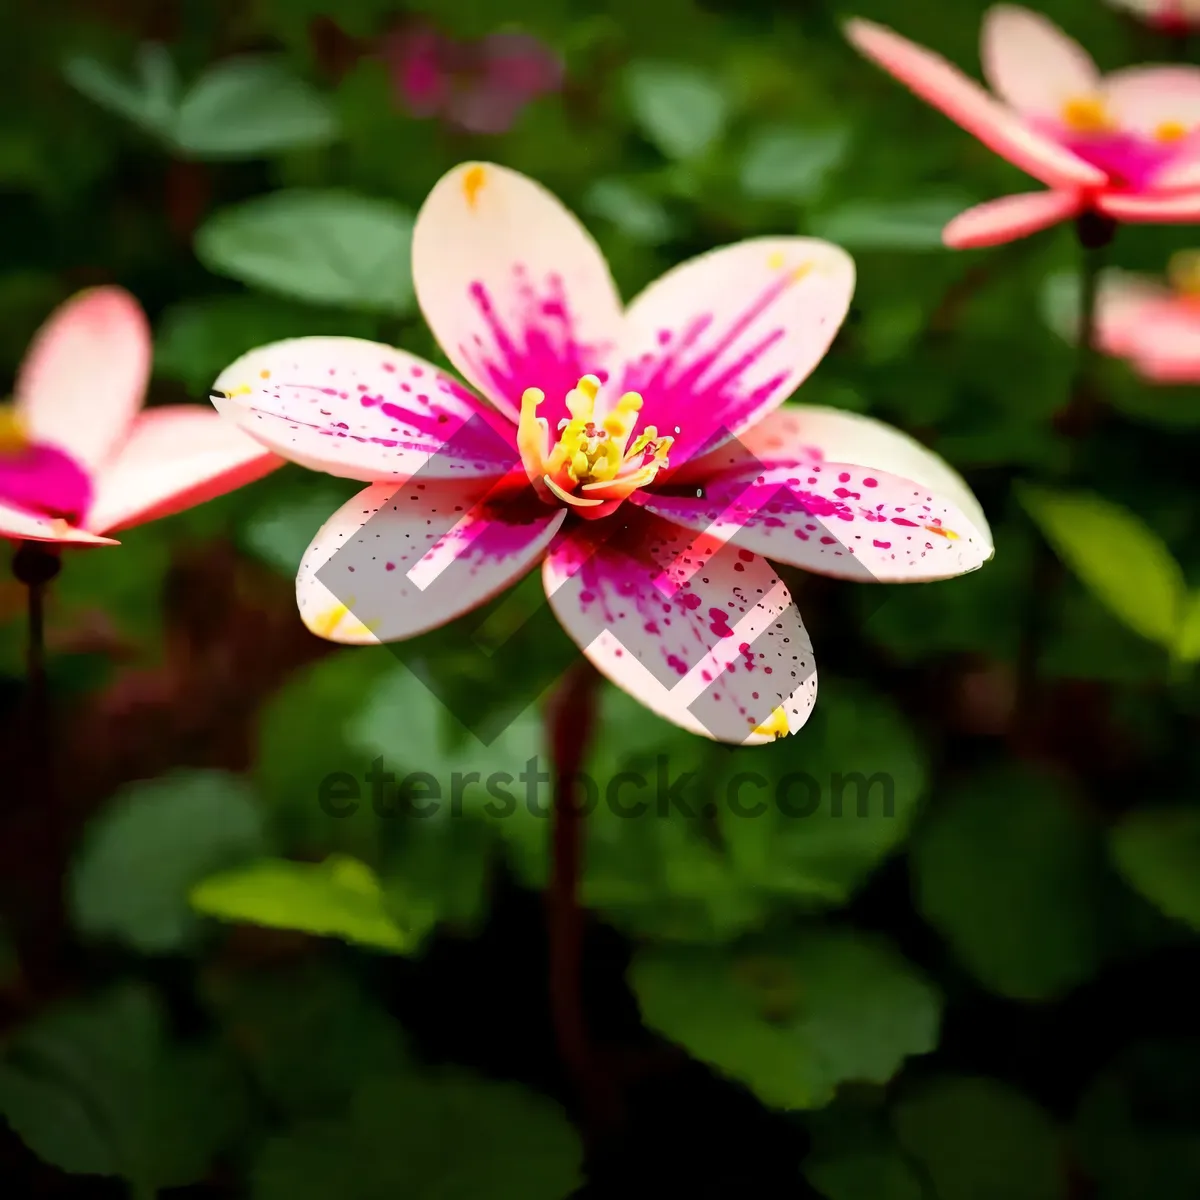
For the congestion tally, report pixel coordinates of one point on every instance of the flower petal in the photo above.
(801, 432)
(839, 519)
(395, 562)
(1178, 208)
(1009, 218)
(513, 287)
(1030, 63)
(362, 410)
(724, 338)
(1144, 98)
(24, 526)
(1166, 347)
(174, 458)
(1126, 306)
(84, 375)
(945, 87)
(704, 635)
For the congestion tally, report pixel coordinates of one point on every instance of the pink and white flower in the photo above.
(1171, 16)
(603, 448)
(78, 460)
(1153, 324)
(1124, 145)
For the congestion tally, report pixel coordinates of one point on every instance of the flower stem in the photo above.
(571, 721)
(35, 567)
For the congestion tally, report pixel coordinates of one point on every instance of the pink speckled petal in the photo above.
(1126, 305)
(85, 374)
(945, 87)
(175, 457)
(395, 562)
(800, 433)
(1143, 98)
(365, 411)
(1175, 209)
(840, 519)
(721, 340)
(1030, 63)
(704, 635)
(1009, 218)
(19, 525)
(513, 287)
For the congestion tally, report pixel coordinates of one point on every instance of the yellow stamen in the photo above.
(533, 433)
(1184, 272)
(946, 533)
(472, 185)
(1087, 114)
(567, 498)
(1171, 131)
(13, 436)
(775, 726)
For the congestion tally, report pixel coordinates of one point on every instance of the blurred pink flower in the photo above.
(1125, 145)
(1171, 16)
(77, 457)
(1154, 324)
(602, 448)
(479, 86)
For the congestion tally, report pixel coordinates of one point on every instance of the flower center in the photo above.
(1087, 114)
(13, 438)
(1171, 131)
(592, 465)
(37, 477)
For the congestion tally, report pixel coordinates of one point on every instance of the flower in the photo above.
(607, 454)
(1152, 324)
(1171, 16)
(480, 87)
(79, 460)
(1125, 145)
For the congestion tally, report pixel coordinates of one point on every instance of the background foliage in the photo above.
(983, 994)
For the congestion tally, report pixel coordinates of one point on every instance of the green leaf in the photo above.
(978, 1139)
(325, 247)
(793, 165)
(148, 101)
(874, 1175)
(449, 1137)
(248, 106)
(1009, 873)
(915, 224)
(1188, 645)
(680, 109)
(340, 897)
(141, 855)
(1158, 852)
(1119, 558)
(95, 1088)
(794, 1017)
(281, 530)
(636, 214)
(197, 339)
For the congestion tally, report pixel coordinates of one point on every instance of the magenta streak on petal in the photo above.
(1131, 160)
(44, 480)
(533, 343)
(698, 406)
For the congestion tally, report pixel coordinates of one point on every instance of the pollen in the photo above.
(775, 726)
(949, 534)
(1171, 131)
(472, 185)
(13, 435)
(1087, 114)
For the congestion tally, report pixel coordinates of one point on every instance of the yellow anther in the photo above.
(13, 436)
(579, 466)
(1087, 114)
(1171, 131)
(775, 726)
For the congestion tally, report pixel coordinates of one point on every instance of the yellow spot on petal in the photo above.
(326, 623)
(243, 389)
(264, 374)
(799, 272)
(60, 528)
(1171, 131)
(1087, 114)
(775, 726)
(946, 533)
(777, 259)
(13, 437)
(1184, 272)
(472, 185)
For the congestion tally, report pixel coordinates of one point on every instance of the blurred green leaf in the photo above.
(636, 214)
(448, 1137)
(325, 247)
(1188, 645)
(978, 1139)
(1158, 852)
(280, 531)
(249, 106)
(141, 855)
(794, 165)
(1009, 873)
(95, 1088)
(340, 897)
(875, 1175)
(148, 100)
(1117, 556)
(679, 108)
(915, 224)
(791, 1017)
